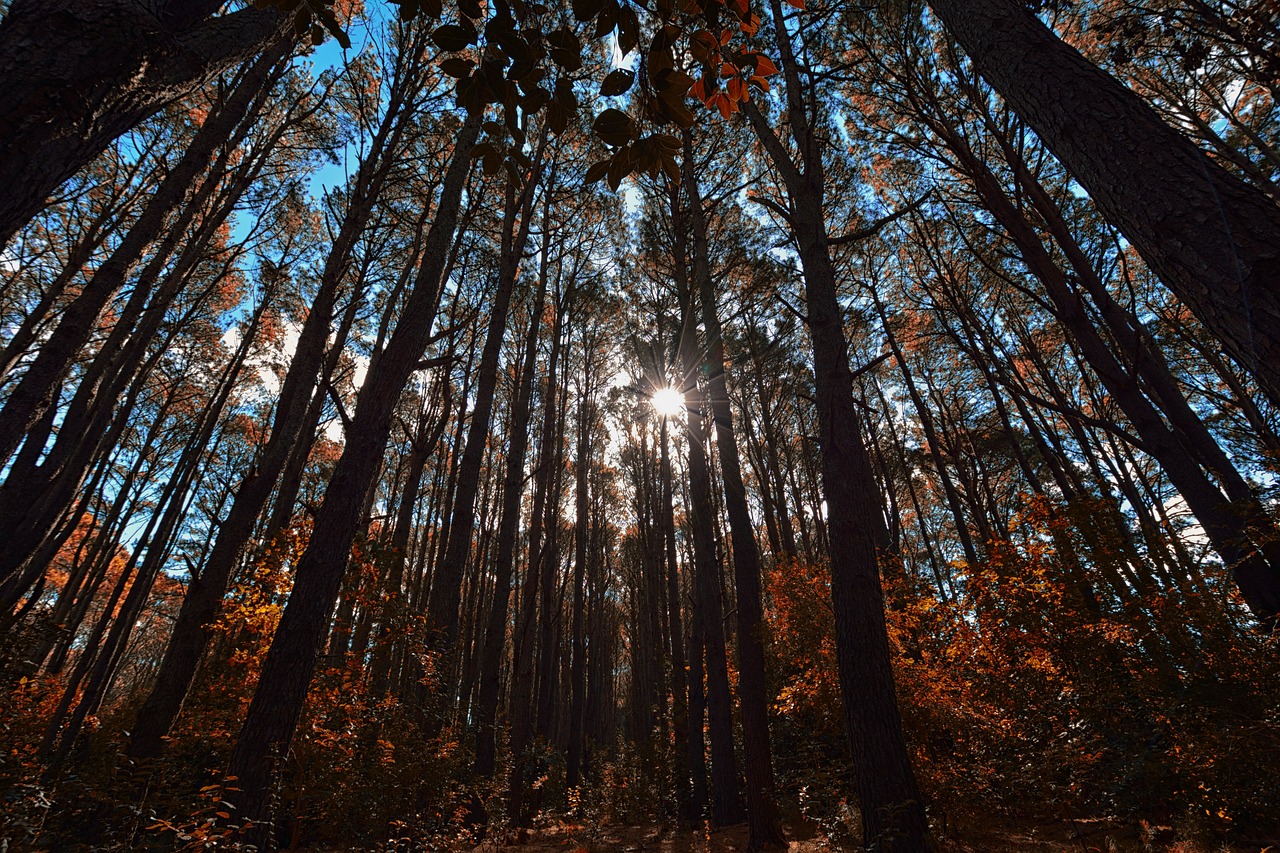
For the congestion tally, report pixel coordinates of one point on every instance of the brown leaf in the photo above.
(453, 37)
(617, 82)
(614, 127)
(597, 171)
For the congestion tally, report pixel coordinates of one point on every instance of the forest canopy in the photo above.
(714, 424)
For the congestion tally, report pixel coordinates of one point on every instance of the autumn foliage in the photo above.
(690, 424)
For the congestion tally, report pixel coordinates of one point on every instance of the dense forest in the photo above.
(630, 424)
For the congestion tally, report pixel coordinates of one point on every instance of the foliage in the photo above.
(1018, 697)
(1071, 470)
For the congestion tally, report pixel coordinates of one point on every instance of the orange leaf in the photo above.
(728, 69)
(798, 4)
(722, 103)
(765, 66)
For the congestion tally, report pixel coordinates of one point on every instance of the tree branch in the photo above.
(875, 227)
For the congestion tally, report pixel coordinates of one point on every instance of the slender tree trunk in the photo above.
(446, 586)
(286, 673)
(495, 635)
(525, 640)
(577, 666)
(690, 772)
(726, 802)
(762, 808)
(892, 809)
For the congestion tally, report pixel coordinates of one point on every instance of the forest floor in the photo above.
(1081, 836)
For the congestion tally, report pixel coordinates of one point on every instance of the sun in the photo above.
(667, 402)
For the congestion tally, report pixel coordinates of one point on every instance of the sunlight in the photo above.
(667, 402)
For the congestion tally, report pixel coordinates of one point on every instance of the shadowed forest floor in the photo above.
(1043, 836)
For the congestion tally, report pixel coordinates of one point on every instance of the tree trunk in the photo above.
(286, 673)
(581, 527)
(76, 74)
(1212, 238)
(762, 808)
(726, 803)
(495, 634)
(892, 809)
(446, 586)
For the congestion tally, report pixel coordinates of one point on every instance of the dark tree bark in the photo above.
(892, 809)
(446, 586)
(76, 74)
(690, 769)
(525, 640)
(762, 807)
(286, 672)
(581, 529)
(495, 635)
(1212, 238)
(726, 801)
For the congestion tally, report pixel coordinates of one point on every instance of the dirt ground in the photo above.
(1085, 836)
(638, 839)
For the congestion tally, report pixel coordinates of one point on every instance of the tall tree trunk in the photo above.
(286, 672)
(690, 769)
(525, 640)
(76, 74)
(892, 810)
(495, 634)
(446, 585)
(762, 808)
(1212, 238)
(581, 528)
(726, 802)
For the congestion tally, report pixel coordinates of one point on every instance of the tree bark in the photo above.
(495, 635)
(765, 825)
(76, 74)
(286, 673)
(726, 802)
(1212, 238)
(893, 812)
